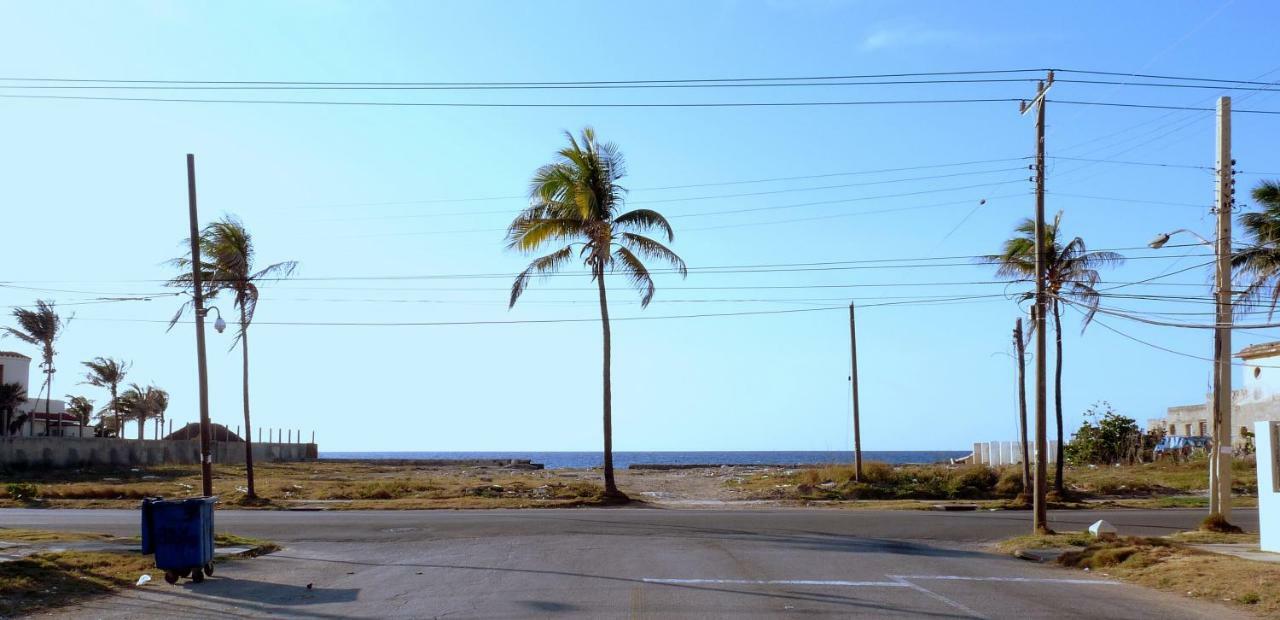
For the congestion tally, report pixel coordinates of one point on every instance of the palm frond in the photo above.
(636, 272)
(542, 266)
(649, 248)
(644, 220)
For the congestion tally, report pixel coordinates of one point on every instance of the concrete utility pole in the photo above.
(1040, 513)
(197, 294)
(853, 378)
(1220, 477)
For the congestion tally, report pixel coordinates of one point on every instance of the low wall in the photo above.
(54, 452)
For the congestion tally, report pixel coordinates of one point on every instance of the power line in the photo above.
(546, 83)
(458, 104)
(788, 190)
(501, 87)
(1158, 107)
(1134, 163)
(1168, 77)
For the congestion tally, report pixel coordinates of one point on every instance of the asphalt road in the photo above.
(638, 563)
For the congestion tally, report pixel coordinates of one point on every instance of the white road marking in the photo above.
(783, 582)
(937, 597)
(1090, 582)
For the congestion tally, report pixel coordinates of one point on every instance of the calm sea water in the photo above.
(559, 460)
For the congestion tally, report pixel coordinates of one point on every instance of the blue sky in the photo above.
(94, 202)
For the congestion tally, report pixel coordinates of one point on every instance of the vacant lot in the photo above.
(1153, 485)
(334, 485)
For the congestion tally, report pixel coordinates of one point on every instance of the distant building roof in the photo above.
(192, 431)
(41, 416)
(1254, 351)
(13, 354)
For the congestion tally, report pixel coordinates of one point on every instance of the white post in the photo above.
(1267, 439)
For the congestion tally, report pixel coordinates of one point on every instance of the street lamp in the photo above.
(219, 325)
(1220, 458)
(1163, 238)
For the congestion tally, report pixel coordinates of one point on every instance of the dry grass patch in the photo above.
(1173, 567)
(9, 534)
(345, 485)
(51, 579)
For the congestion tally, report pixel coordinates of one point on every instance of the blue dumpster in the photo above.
(180, 534)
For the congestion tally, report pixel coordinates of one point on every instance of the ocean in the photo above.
(562, 460)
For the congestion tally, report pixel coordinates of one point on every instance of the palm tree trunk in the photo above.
(244, 369)
(48, 398)
(142, 424)
(610, 487)
(1058, 483)
(1022, 408)
(115, 408)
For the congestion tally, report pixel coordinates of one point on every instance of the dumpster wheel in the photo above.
(208, 569)
(197, 575)
(170, 577)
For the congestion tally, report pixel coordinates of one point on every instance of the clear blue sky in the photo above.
(94, 200)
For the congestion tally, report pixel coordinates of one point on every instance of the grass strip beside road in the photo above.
(1169, 564)
(52, 579)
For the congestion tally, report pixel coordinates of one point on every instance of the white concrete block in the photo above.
(994, 448)
(1267, 440)
(1102, 529)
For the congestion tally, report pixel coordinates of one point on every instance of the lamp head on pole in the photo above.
(1159, 241)
(219, 325)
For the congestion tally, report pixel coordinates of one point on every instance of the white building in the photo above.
(1258, 399)
(16, 368)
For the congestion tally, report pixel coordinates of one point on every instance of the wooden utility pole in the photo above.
(197, 294)
(1021, 349)
(1040, 513)
(1220, 477)
(853, 379)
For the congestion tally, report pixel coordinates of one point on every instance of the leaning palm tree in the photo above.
(576, 201)
(11, 395)
(109, 373)
(40, 327)
(1258, 263)
(226, 264)
(81, 408)
(1071, 277)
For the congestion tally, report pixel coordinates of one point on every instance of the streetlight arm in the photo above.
(1163, 238)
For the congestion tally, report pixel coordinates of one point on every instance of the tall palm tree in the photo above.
(11, 395)
(1071, 277)
(576, 201)
(81, 408)
(108, 372)
(227, 264)
(40, 327)
(1259, 262)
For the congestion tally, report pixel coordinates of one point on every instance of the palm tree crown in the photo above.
(1071, 271)
(1259, 262)
(11, 395)
(40, 327)
(108, 372)
(576, 200)
(226, 259)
